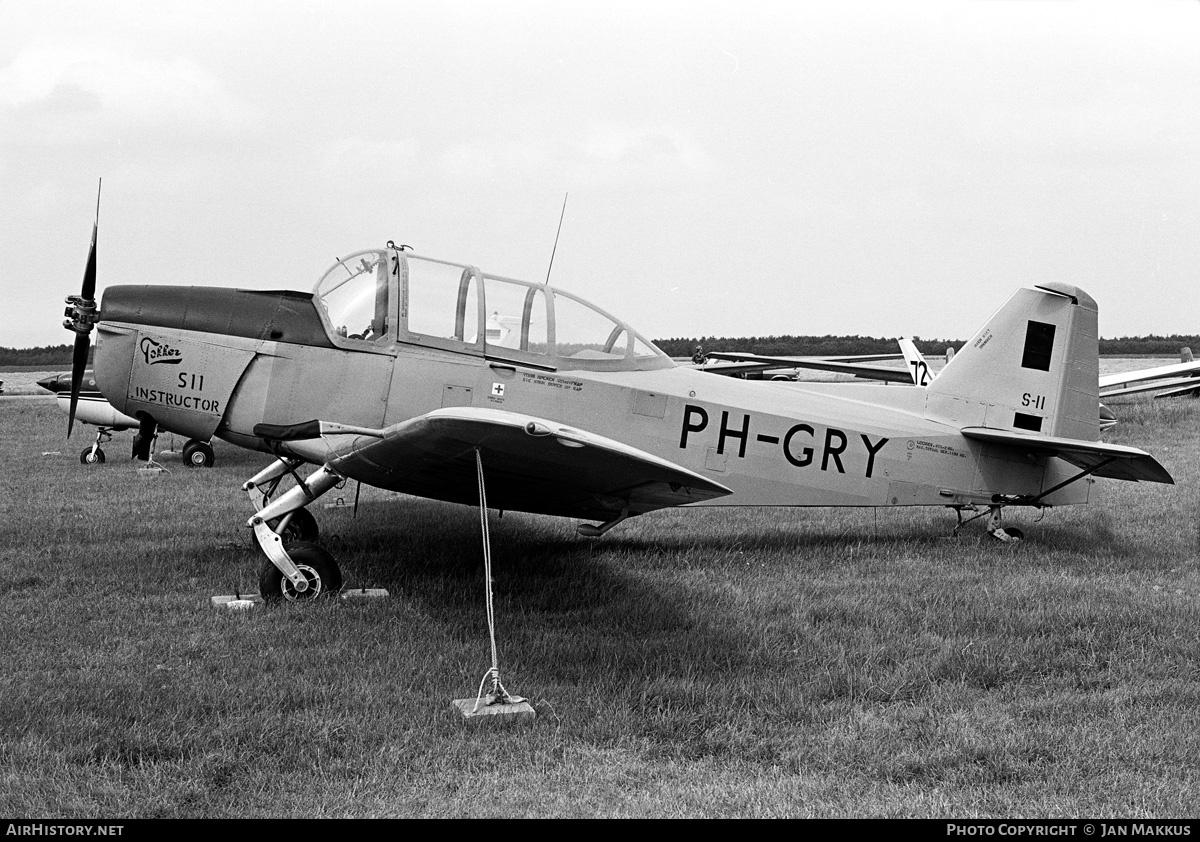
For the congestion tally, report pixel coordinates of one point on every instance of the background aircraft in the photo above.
(746, 364)
(94, 409)
(385, 374)
(756, 366)
(1182, 378)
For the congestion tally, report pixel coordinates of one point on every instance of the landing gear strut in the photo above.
(997, 531)
(94, 455)
(296, 569)
(994, 526)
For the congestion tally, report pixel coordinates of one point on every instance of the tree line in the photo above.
(47, 357)
(59, 356)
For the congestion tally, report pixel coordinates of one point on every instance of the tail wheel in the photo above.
(90, 457)
(198, 454)
(1007, 535)
(316, 565)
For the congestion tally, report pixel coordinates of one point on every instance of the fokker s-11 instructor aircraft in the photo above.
(385, 374)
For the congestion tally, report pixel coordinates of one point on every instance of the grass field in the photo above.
(741, 663)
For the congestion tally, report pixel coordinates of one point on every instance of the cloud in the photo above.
(491, 161)
(97, 90)
(354, 157)
(664, 150)
(611, 156)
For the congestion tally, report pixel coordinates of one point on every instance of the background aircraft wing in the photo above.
(729, 362)
(1166, 387)
(1192, 387)
(528, 462)
(1126, 463)
(1150, 379)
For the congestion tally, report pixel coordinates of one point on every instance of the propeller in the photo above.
(81, 318)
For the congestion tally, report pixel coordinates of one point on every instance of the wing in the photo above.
(1149, 379)
(530, 464)
(1103, 460)
(738, 363)
(1191, 388)
(1166, 387)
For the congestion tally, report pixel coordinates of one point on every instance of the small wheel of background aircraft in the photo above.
(571, 412)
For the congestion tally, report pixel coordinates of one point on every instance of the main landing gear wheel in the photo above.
(317, 565)
(90, 457)
(198, 454)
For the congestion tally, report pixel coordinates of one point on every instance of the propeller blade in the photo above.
(88, 291)
(78, 365)
(80, 318)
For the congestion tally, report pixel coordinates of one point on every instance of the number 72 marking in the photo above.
(920, 372)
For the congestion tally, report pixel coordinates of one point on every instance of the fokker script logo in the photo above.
(158, 352)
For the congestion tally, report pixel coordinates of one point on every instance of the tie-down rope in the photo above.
(498, 694)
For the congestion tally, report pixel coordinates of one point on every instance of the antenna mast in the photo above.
(559, 231)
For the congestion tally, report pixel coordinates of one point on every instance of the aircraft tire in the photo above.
(86, 457)
(324, 577)
(198, 454)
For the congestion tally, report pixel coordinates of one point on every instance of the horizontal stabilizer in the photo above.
(1103, 460)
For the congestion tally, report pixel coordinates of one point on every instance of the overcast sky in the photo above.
(734, 169)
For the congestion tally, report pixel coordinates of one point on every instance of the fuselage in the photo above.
(207, 362)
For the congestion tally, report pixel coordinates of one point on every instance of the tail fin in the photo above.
(1033, 368)
(917, 366)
